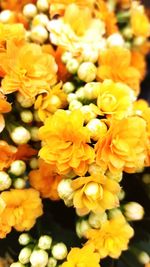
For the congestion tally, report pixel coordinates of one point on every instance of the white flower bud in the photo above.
(24, 255)
(29, 11)
(6, 16)
(143, 257)
(121, 194)
(91, 90)
(66, 56)
(127, 33)
(39, 34)
(97, 128)
(115, 39)
(114, 213)
(59, 251)
(26, 116)
(24, 239)
(80, 94)
(81, 228)
(39, 258)
(72, 65)
(75, 104)
(133, 211)
(40, 19)
(139, 40)
(20, 135)
(97, 219)
(52, 262)
(34, 131)
(88, 113)
(68, 87)
(71, 97)
(45, 242)
(24, 102)
(87, 72)
(90, 55)
(5, 181)
(36, 116)
(33, 163)
(64, 188)
(17, 167)
(42, 5)
(19, 183)
(17, 264)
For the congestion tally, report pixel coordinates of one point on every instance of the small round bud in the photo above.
(6, 16)
(113, 213)
(19, 183)
(121, 194)
(68, 87)
(91, 90)
(90, 55)
(88, 113)
(139, 40)
(87, 72)
(24, 239)
(5, 181)
(36, 116)
(40, 19)
(52, 262)
(20, 135)
(33, 163)
(66, 56)
(39, 258)
(146, 178)
(72, 65)
(143, 257)
(17, 264)
(65, 191)
(29, 11)
(39, 34)
(75, 104)
(42, 5)
(71, 97)
(92, 190)
(80, 94)
(82, 227)
(97, 128)
(133, 211)
(59, 251)
(45, 242)
(17, 167)
(96, 220)
(24, 102)
(54, 103)
(26, 116)
(115, 39)
(95, 170)
(24, 255)
(128, 33)
(34, 131)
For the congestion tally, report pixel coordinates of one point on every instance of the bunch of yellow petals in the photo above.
(66, 142)
(112, 238)
(19, 208)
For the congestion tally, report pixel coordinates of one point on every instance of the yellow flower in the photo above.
(139, 21)
(115, 99)
(66, 142)
(28, 70)
(22, 208)
(94, 194)
(73, 31)
(112, 238)
(123, 148)
(82, 257)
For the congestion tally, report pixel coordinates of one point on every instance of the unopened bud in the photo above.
(34, 131)
(133, 211)
(90, 55)
(17, 264)
(45, 242)
(115, 39)
(19, 183)
(68, 87)
(24, 239)
(59, 251)
(71, 97)
(17, 167)
(91, 90)
(87, 72)
(75, 104)
(24, 255)
(72, 65)
(29, 11)
(143, 257)
(26, 116)
(5, 181)
(39, 258)
(42, 5)
(97, 128)
(20, 135)
(33, 163)
(65, 191)
(82, 227)
(88, 113)
(6, 16)
(97, 219)
(66, 56)
(39, 34)
(24, 102)
(52, 262)
(40, 19)
(113, 213)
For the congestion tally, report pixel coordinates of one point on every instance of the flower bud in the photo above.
(5, 181)
(133, 211)
(88, 113)
(24, 239)
(33, 163)
(75, 104)
(17, 167)
(39, 258)
(36, 116)
(24, 255)
(95, 170)
(97, 219)
(24, 102)
(115, 39)
(20, 135)
(82, 226)
(91, 90)
(87, 72)
(146, 178)
(17, 264)
(26, 116)
(19, 183)
(34, 131)
(113, 213)
(121, 194)
(97, 128)
(45, 242)
(52, 262)
(66, 56)
(6, 16)
(72, 65)
(40, 19)
(42, 5)
(59, 251)
(29, 11)
(71, 97)
(80, 94)
(54, 103)
(139, 40)
(68, 87)
(143, 257)
(128, 33)
(65, 191)
(90, 55)
(92, 190)
(39, 34)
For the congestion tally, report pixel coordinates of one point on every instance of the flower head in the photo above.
(7, 155)
(66, 142)
(14, 4)
(139, 21)
(112, 238)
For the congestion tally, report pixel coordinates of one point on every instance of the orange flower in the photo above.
(84, 257)
(146, 116)
(115, 99)
(138, 61)
(22, 208)
(28, 70)
(66, 142)
(122, 70)
(45, 180)
(25, 152)
(4, 108)
(139, 21)
(6, 155)
(14, 4)
(123, 148)
(112, 238)
(94, 194)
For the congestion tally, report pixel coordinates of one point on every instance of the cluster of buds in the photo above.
(40, 253)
